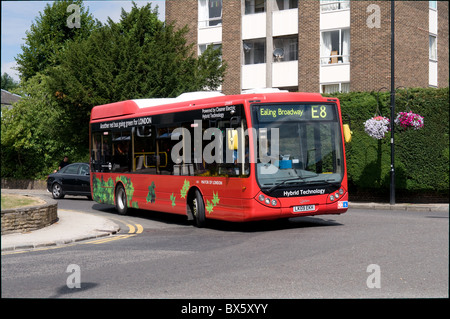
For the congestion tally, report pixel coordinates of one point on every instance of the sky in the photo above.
(17, 17)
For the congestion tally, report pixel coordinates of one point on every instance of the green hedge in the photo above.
(421, 156)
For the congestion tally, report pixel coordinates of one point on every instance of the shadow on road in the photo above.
(66, 292)
(273, 225)
(254, 226)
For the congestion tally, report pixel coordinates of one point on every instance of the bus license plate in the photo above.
(304, 208)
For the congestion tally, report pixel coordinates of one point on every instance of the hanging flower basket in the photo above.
(409, 120)
(377, 127)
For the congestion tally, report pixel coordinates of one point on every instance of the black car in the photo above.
(73, 179)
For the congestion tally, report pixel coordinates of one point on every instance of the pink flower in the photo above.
(409, 120)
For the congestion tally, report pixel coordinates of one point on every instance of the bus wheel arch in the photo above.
(196, 207)
(120, 199)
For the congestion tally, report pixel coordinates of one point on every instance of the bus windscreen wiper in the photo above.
(286, 180)
(290, 179)
(302, 179)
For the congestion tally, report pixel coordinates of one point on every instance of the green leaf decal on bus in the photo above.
(215, 199)
(210, 205)
(103, 191)
(172, 198)
(185, 189)
(151, 196)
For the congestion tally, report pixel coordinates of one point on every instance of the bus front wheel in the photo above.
(198, 209)
(121, 200)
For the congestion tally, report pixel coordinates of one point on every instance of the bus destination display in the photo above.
(296, 112)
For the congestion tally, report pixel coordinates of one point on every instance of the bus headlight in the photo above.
(267, 200)
(336, 195)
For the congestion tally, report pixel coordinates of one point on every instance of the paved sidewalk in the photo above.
(72, 226)
(401, 206)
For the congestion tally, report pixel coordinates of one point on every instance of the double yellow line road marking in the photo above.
(133, 230)
(108, 239)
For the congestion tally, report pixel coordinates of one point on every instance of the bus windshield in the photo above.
(297, 144)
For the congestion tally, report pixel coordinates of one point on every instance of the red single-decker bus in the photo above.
(206, 155)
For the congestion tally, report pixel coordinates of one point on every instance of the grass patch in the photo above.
(10, 201)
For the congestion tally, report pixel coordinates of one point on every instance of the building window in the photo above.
(335, 88)
(202, 48)
(333, 5)
(285, 48)
(209, 13)
(255, 6)
(335, 46)
(433, 48)
(255, 51)
(286, 4)
(433, 5)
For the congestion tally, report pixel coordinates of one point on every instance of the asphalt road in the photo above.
(361, 254)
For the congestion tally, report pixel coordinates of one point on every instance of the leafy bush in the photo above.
(34, 135)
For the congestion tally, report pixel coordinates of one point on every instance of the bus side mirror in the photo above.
(232, 139)
(347, 133)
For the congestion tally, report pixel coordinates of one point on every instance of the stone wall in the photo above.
(29, 218)
(9, 183)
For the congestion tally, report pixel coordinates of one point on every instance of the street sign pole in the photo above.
(392, 188)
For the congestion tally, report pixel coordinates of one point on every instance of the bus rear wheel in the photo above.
(198, 209)
(121, 200)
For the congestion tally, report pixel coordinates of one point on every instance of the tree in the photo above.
(8, 82)
(32, 138)
(48, 36)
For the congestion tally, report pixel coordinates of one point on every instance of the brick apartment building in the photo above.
(320, 46)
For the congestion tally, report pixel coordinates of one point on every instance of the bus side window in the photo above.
(96, 152)
(121, 151)
(236, 144)
(164, 145)
(145, 158)
(182, 147)
(101, 152)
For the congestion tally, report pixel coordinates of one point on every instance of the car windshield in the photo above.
(297, 144)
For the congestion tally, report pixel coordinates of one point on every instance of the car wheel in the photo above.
(57, 191)
(121, 200)
(198, 209)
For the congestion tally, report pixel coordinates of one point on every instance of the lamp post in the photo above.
(392, 186)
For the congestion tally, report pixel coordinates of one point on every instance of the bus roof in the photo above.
(130, 107)
(190, 96)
